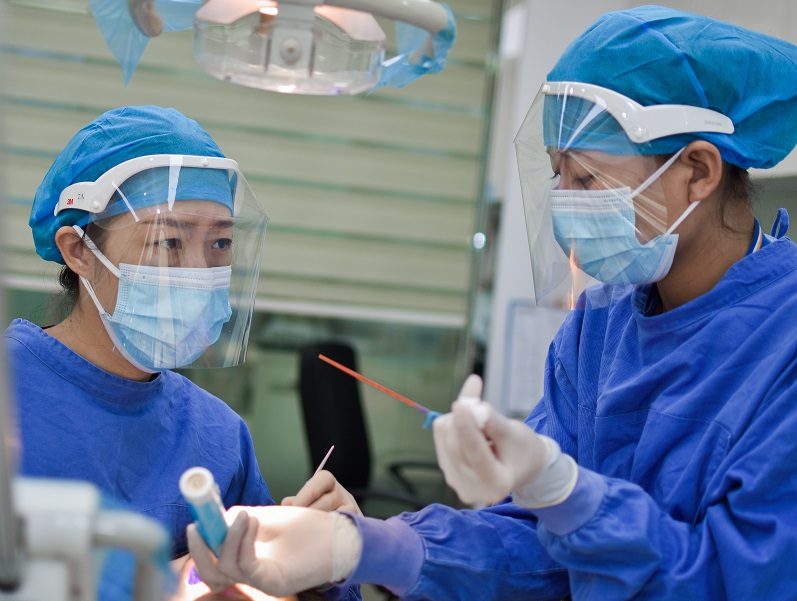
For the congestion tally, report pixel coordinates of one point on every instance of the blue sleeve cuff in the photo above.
(579, 507)
(342, 593)
(392, 554)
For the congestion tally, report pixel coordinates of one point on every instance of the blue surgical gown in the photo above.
(684, 426)
(131, 439)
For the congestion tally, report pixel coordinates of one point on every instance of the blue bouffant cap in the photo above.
(657, 55)
(114, 137)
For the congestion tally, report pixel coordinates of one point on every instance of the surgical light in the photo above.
(315, 47)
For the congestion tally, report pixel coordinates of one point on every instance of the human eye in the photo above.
(169, 244)
(222, 244)
(586, 182)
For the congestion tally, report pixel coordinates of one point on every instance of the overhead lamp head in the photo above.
(317, 47)
(300, 48)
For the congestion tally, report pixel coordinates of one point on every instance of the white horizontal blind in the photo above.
(372, 199)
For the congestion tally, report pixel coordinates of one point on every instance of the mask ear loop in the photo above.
(692, 206)
(657, 174)
(653, 177)
(97, 252)
(103, 259)
(104, 315)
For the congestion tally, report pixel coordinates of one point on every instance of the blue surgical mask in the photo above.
(597, 228)
(165, 317)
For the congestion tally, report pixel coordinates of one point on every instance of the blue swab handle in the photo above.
(430, 417)
(200, 490)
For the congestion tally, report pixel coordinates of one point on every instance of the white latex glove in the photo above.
(485, 456)
(279, 550)
(325, 493)
(199, 591)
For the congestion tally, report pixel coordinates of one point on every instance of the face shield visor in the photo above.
(590, 162)
(179, 241)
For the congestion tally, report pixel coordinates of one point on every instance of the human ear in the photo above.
(76, 254)
(705, 162)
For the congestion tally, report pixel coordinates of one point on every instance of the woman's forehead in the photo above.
(186, 213)
(191, 207)
(602, 160)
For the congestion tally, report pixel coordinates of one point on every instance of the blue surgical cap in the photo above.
(114, 137)
(657, 55)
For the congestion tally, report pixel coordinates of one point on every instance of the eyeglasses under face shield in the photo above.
(590, 160)
(184, 235)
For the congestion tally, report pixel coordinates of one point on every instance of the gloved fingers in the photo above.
(233, 512)
(449, 451)
(256, 568)
(319, 485)
(513, 440)
(445, 446)
(334, 500)
(477, 450)
(472, 387)
(351, 507)
(338, 500)
(517, 444)
(325, 493)
(228, 563)
(471, 394)
(447, 443)
(259, 572)
(466, 424)
(491, 476)
(206, 562)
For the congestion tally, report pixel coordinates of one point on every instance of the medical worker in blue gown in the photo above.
(661, 462)
(159, 238)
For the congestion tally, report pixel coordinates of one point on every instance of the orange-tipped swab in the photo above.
(379, 387)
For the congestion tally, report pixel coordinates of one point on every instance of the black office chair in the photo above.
(333, 414)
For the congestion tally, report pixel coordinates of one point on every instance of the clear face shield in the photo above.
(179, 241)
(595, 206)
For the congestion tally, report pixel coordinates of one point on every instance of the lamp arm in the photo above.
(425, 14)
(142, 536)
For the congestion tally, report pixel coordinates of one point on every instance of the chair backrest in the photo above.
(333, 413)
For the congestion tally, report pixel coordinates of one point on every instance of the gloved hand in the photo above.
(485, 456)
(325, 493)
(279, 550)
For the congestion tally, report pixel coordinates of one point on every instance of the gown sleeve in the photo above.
(739, 548)
(618, 543)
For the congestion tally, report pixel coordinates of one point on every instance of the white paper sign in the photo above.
(530, 330)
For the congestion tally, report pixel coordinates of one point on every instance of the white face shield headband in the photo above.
(590, 165)
(184, 235)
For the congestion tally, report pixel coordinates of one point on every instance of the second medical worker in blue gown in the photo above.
(661, 462)
(160, 240)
